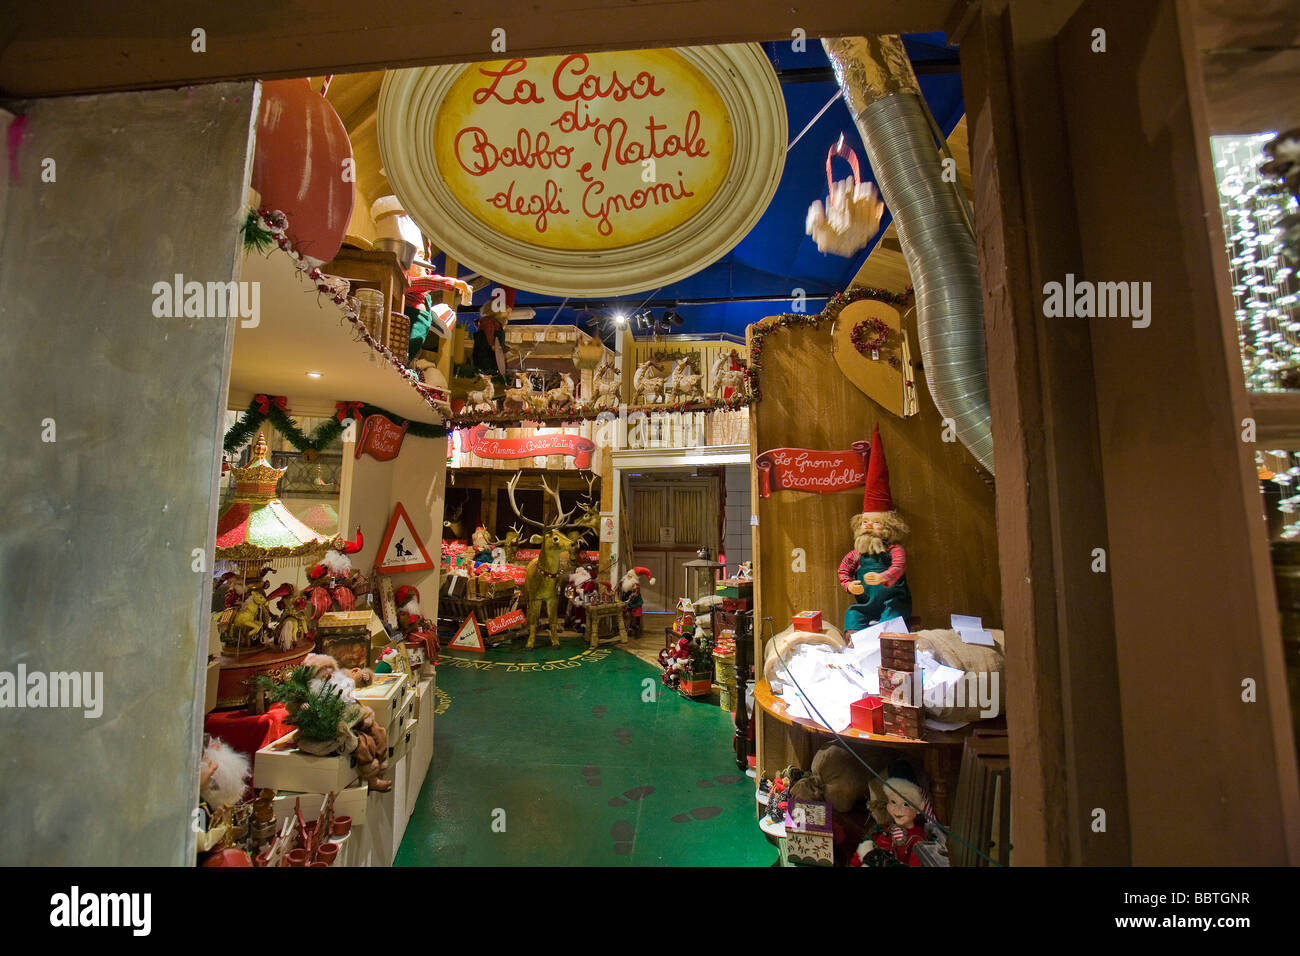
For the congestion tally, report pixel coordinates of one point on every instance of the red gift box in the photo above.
(808, 621)
(868, 714)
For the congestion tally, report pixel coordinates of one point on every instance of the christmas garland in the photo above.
(787, 320)
(264, 408)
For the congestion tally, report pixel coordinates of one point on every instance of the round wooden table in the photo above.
(940, 752)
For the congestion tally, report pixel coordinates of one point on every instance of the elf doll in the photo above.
(630, 588)
(873, 572)
(489, 336)
(892, 844)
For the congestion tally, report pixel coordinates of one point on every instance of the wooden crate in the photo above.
(384, 696)
(280, 765)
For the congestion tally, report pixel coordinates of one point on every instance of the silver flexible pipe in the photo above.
(882, 94)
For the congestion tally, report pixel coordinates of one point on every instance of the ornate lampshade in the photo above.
(257, 528)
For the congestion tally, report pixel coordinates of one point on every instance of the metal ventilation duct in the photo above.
(882, 94)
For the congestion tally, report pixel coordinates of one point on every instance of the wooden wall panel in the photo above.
(945, 496)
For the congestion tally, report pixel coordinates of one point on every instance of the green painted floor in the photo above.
(553, 757)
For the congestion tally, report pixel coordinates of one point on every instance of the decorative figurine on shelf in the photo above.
(580, 591)
(607, 385)
(481, 399)
(683, 383)
(489, 335)
(482, 542)
(648, 384)
(525, 398)
(560, 398)
(333, 585)
(630, 590)
(892, 844)
(508, 546)
(250, 622)
(745, 572)
(874, 571)
(413, 624)
(727, 379)
(223, 778)
(295, 617)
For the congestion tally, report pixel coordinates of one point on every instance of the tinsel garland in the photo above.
(787, 320)
(277, 223)
(242, 432)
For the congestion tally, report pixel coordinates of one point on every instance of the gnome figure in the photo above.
(630, 589)
(873, 572)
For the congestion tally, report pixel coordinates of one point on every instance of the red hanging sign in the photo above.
(579, 448)
(804, 469)
(380, 438)
(505, 622)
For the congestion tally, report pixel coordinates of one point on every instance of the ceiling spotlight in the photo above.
(620, 318)
(673, 317)
(313, 375)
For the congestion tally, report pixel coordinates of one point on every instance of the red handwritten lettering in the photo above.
(524, 92)
(591, 87)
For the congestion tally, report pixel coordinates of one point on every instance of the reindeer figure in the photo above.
(541, 576)
(455, 521)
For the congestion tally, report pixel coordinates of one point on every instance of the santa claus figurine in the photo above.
(332, 585)
(412, 622)
(580, 591)
(874, 571)
(630, 591)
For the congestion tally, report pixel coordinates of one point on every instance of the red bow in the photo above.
(264, 403)
(345, 410)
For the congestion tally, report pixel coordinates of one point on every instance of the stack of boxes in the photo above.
(737, 596)
(900, 686)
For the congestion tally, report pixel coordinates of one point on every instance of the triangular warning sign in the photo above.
(401, 550)
(468, 637)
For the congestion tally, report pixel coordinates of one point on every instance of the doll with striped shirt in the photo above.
(874, 572)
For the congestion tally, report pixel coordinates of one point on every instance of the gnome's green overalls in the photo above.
(877, 602)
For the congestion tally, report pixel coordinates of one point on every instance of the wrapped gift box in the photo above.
(810, 621)
(736, 604)
(282, 766)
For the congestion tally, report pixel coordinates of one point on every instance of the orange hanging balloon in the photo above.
(303, 166)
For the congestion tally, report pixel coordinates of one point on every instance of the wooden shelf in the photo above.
(301, 331)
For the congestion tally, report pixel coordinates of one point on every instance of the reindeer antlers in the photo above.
(562, 515)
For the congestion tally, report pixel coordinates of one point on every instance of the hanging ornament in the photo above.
(852, 212)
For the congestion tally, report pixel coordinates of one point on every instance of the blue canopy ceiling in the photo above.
(776, 256)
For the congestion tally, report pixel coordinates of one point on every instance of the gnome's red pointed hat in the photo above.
(876, 496)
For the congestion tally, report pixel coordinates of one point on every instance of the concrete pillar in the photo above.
(108, 530)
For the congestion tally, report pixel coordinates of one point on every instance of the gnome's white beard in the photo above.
(870, 544)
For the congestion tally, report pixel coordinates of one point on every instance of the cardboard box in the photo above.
(384, 695)
(280, 765)
(810, 621)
